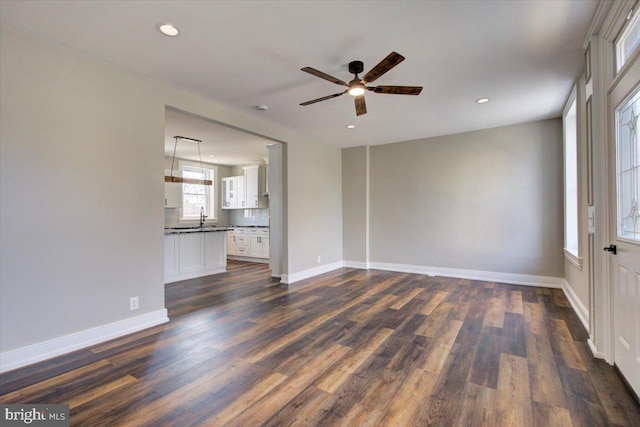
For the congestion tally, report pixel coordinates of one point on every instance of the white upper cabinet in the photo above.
(172, 193)
(233, 192)
(245, 191)
(254, 179)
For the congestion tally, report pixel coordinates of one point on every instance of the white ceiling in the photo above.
(220, 144)
(524, 55)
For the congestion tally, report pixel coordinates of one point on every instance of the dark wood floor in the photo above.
(350, 348)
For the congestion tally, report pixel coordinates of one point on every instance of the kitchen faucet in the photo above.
(202, 216)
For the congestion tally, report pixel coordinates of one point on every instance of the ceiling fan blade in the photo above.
(324, 98)
(361, 105)
(323, 76)
(385, 65)
(397, 90)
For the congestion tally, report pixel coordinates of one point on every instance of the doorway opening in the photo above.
(244, 208)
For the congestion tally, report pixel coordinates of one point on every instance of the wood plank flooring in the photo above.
(348, 348)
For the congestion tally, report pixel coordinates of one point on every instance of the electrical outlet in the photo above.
(134, 303)
(319, 259)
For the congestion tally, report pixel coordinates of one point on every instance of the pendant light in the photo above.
(182, 180)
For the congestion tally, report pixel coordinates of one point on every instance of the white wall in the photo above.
(82, 190)
(487, 200)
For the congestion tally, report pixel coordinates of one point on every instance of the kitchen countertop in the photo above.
(207, 229)
(179, 230)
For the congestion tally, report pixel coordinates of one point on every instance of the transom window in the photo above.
(629, 39)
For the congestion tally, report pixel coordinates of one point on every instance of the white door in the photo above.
(624, 101)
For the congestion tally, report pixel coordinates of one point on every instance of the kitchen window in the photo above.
(195, 197)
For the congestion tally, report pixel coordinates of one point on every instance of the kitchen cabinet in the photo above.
(233, 195)
(248, 242)
(258, 242)
(191, 252)
(194, 254)
(245, 191)
(238, 242)
(242, 244)
(172, 194)
(231, 243)
(171, 259)
(255, 186)
(214, 256)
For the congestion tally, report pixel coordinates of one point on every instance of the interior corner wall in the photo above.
(354, 204)
(488, 200)
(81, 197)
(315, 178)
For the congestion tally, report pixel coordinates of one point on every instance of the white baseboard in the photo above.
(594, 350)
(487, 276)
(361, 265)
(288, 279)
(45, 350)
(578, 307)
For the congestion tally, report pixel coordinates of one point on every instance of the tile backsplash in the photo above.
(225, 217)
(249, 217)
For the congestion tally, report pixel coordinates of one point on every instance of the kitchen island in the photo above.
(191, 252)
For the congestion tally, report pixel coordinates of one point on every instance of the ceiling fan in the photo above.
(356, 87)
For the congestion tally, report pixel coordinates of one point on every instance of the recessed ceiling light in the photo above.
(211, 155)
(168, 29)
(483, 100)
(350, 126)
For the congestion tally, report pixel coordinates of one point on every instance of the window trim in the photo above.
(211, 199)
(571, 249)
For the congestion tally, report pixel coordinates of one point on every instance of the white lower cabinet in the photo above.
(171, 260)
(231, 243)
(259, 243)
(265, 247)
(190, 255)
(213, 256)
(191, 252)
(249, 242)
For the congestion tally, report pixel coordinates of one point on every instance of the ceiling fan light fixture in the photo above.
(356, 88)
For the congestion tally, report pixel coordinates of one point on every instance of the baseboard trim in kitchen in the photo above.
(24, 356)
(288, 279)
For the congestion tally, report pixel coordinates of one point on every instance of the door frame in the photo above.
(278, 229)
(606, 26)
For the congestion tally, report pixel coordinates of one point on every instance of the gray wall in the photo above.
(354, 204)
(487, 200)
(81, 198)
